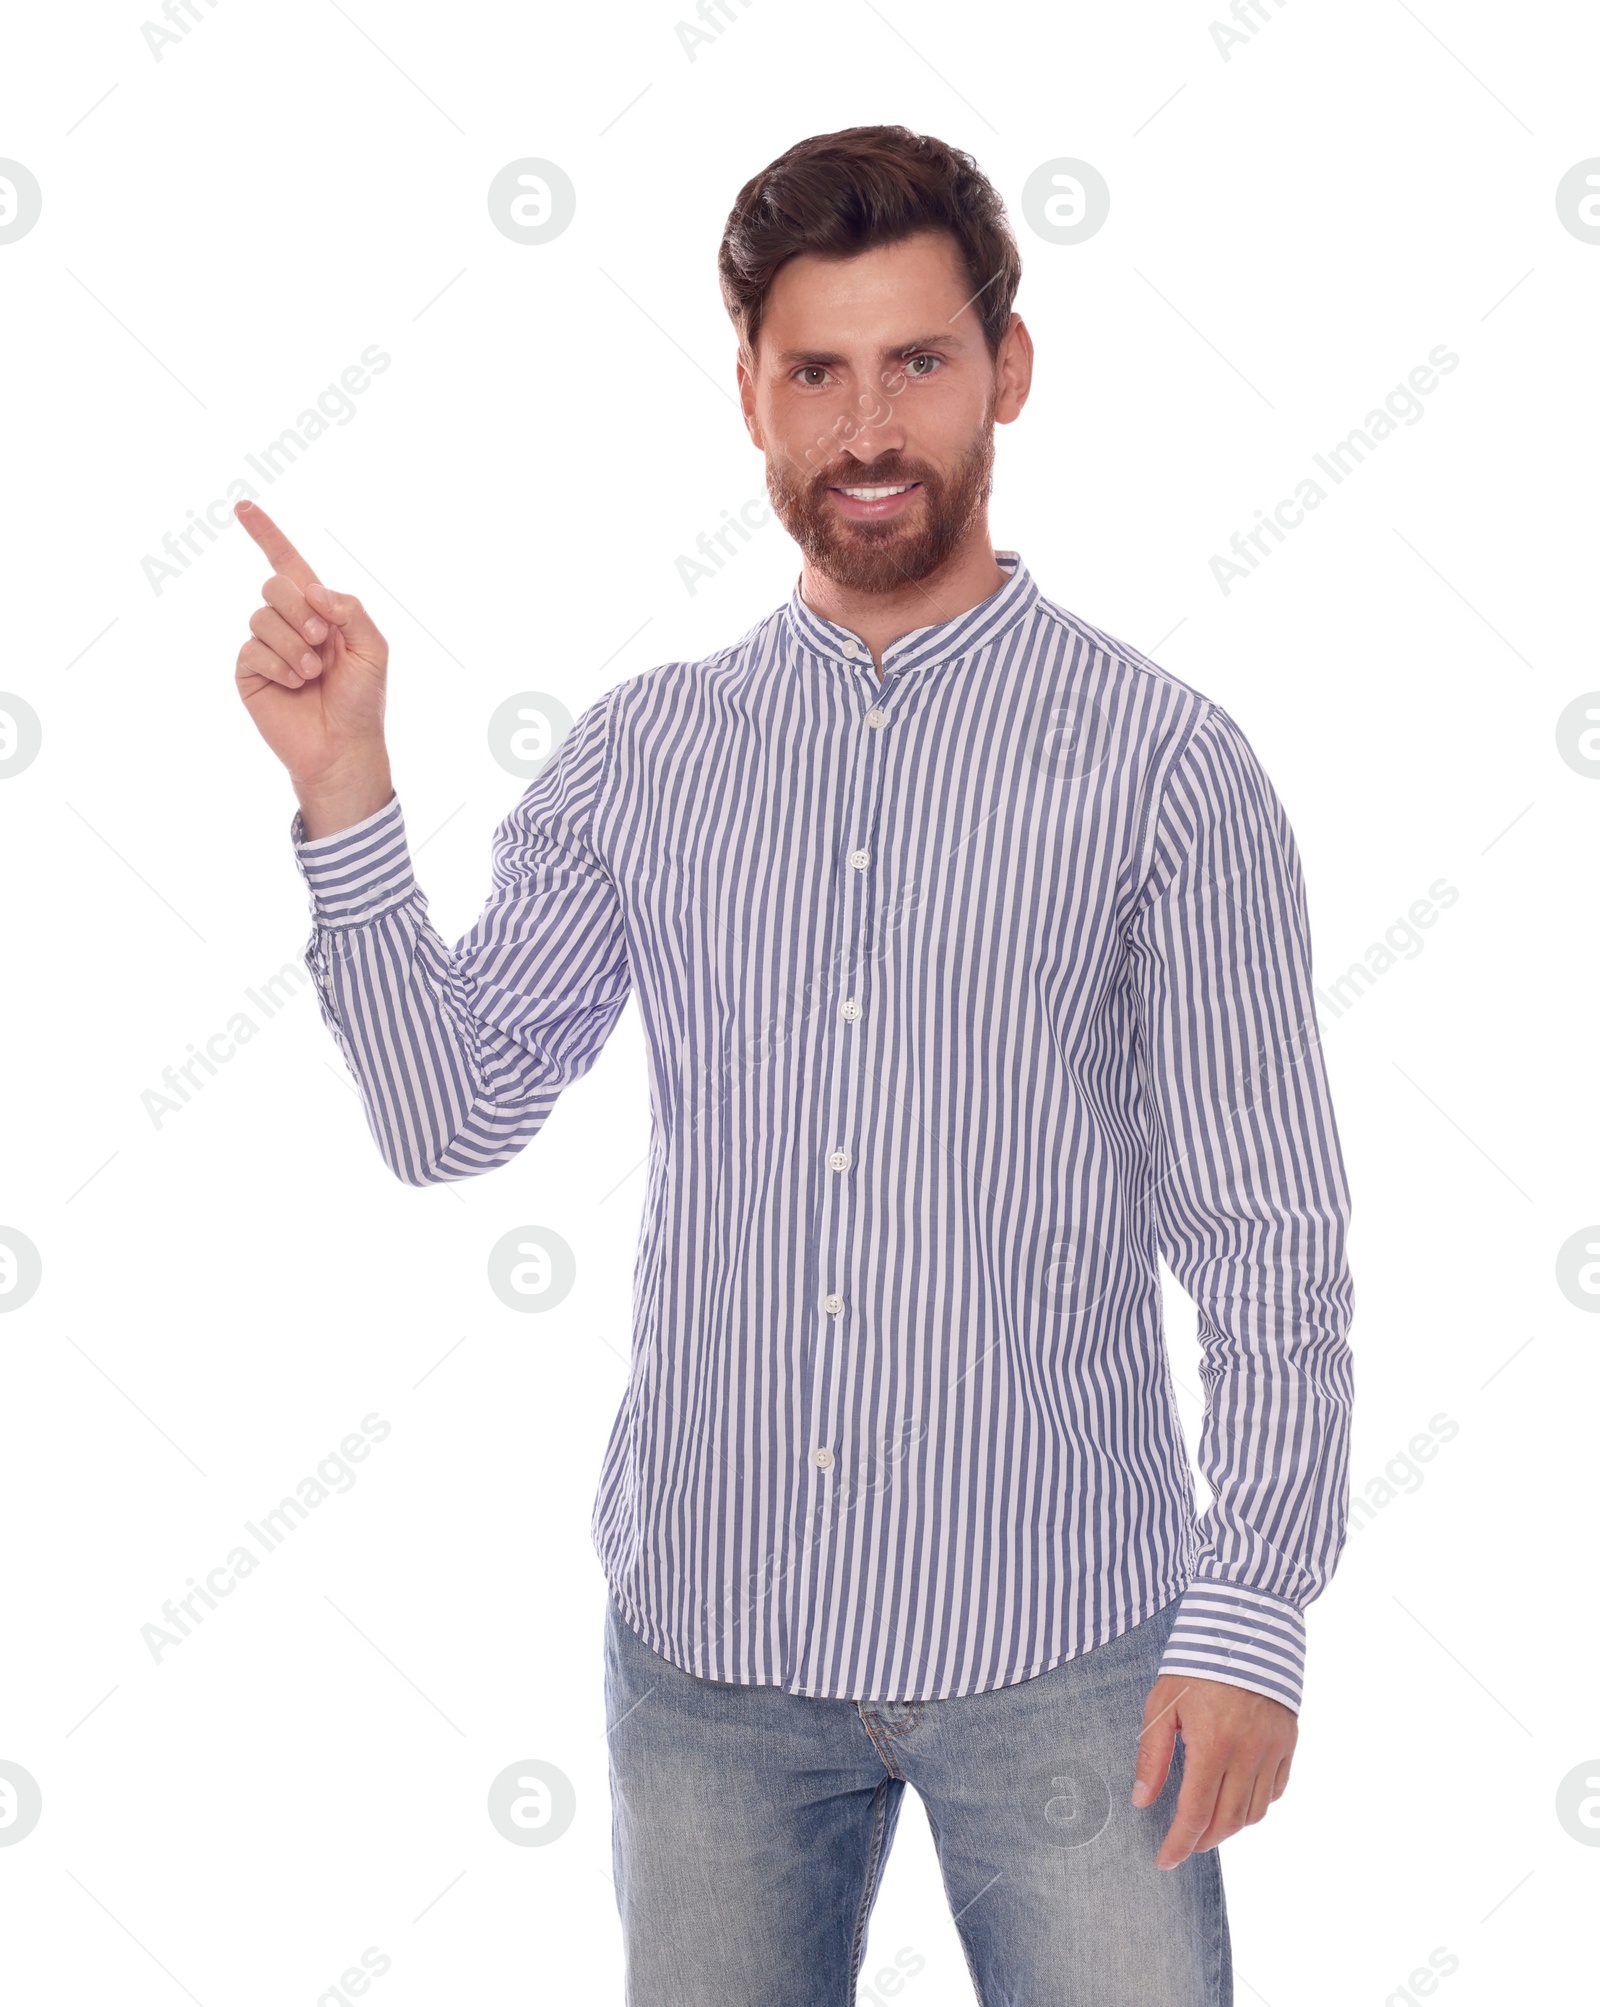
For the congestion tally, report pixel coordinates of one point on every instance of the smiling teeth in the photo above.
(876, 494)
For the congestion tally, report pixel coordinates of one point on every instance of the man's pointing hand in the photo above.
(312, 676)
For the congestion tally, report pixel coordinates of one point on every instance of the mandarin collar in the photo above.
(923, 646)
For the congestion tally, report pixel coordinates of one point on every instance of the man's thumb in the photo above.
(342, 608)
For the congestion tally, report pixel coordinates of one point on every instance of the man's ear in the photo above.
(745, 373)
(1015, 371)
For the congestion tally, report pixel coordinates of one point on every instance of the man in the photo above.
(972, 957)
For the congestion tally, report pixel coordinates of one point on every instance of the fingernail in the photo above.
(315, 630)
(309, 664)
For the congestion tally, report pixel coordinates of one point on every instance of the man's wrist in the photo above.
(359, 872)
(335, 804)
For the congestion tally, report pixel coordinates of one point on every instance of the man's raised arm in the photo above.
(459, 1053)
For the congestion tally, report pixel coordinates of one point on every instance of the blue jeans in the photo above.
(750, 1825)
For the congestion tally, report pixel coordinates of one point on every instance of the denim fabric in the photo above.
(750, 1826)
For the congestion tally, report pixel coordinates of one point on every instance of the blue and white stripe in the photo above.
(964, 993)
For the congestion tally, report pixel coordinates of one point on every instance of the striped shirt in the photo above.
(964, 993)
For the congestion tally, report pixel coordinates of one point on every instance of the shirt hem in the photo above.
(1141, 1613)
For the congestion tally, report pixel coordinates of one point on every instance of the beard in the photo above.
(881, 557)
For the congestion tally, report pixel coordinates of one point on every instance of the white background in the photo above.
(228, 1291)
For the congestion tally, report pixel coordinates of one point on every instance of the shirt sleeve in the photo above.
(1249, 1204)
(460, 1052)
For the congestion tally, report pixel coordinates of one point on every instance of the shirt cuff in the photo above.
(1242, 1637)
(357, 872)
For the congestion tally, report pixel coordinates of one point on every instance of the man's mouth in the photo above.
(864, 502)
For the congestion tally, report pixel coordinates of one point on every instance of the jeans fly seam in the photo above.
(885, 1755)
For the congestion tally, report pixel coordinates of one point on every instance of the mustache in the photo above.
(874, 476)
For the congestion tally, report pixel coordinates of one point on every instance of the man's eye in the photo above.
(922, 358)
(806, 366)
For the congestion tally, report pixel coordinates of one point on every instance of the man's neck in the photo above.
(964, 581)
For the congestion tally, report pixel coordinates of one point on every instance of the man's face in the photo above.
(872, 372)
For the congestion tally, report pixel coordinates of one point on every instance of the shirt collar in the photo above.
(923, 646)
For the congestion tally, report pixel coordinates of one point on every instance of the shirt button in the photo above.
(849, 648)
(850, 1009)
(833, 1305)
(875, 717)
(838, 1160)
(822, 1458)
(859, 859)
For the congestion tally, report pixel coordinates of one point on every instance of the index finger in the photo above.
(1197, 1800)
(284, 556)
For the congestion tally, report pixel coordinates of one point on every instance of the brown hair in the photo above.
(839, 193)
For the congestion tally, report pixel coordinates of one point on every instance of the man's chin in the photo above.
(869, 557)
(866, 571)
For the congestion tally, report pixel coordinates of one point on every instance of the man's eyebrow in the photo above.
(828, 357)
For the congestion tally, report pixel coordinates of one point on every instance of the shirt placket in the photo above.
(829, 1377)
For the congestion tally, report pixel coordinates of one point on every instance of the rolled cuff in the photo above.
(356, 873)
(1241, 1637)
